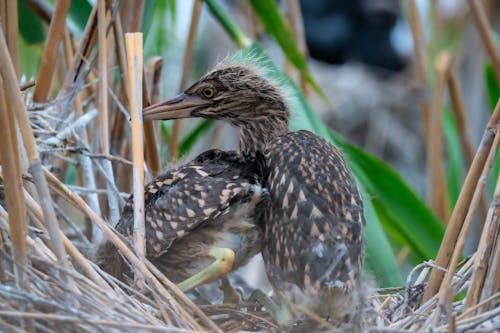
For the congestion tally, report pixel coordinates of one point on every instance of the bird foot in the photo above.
(231, 295)
(281, 313)
(224, 259)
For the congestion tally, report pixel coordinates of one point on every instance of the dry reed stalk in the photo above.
(150, 146)
(13, 94)
(81, 57)
(458, 108)
(420, 59)
(133, 42)
(173, 145)
(138, 264)
(485, 30)
(464, 133)
(79, 258)
(462, 206)
(102, 24)
(152, 80)
(11, 30)
(492, 279)
(434, 143)
(86, 175)
(154, 66)
(11, 170)
(50, 51)
(484, 252)
(296, 22)
(464, 232)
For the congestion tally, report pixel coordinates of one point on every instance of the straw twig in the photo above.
(420, 59)
(50, 51)
(484, 252)
(434, 143)
(11, 31)
(464, 232)
(462, 206)
(485, 31)
(133, 42)
(14, 96)
(11, 170)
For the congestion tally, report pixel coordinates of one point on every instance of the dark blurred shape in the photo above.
(342, 30)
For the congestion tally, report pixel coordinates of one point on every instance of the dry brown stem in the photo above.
(133, 42)
(462, 206)
(435, 164)
(14, 95)
(420, 58)
(485, 30)
(50, 51)
(11, 169)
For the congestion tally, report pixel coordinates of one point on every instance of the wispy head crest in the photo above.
(263, 66)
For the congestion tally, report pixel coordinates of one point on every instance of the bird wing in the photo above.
(314, 226)
(188, 197)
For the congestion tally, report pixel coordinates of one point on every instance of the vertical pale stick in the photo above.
(133, 42)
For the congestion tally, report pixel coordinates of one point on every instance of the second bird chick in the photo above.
(200, 220)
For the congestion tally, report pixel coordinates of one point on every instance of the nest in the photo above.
(49, 282)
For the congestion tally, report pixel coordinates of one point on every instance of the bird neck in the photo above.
(255, 135)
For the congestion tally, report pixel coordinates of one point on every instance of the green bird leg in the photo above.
(281, 313)
(224, 259)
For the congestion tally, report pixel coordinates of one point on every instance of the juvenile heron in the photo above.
(199, 220)
(313, 226)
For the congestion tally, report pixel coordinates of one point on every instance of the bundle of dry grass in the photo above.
(48, 280)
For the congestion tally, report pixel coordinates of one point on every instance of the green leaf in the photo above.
(491, 86)
(232, 29)
(79, 13)
(276, 26)
(379, 257)
(455, 165)
(30, 25)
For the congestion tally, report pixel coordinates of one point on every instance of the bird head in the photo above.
(234, 93)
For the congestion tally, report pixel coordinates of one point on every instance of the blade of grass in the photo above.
(275, 24)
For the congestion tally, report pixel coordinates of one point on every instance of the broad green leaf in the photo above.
(79, 13)
(30, 25)
(491, 86)
(455, 165)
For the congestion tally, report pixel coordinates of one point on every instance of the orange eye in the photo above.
(208, 92)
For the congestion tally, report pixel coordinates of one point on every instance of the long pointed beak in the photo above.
(177, 107)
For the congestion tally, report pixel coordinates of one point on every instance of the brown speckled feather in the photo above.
(201, 195)
(313, 228)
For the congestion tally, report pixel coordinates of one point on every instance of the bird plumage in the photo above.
(313, 226)
(209, 202)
